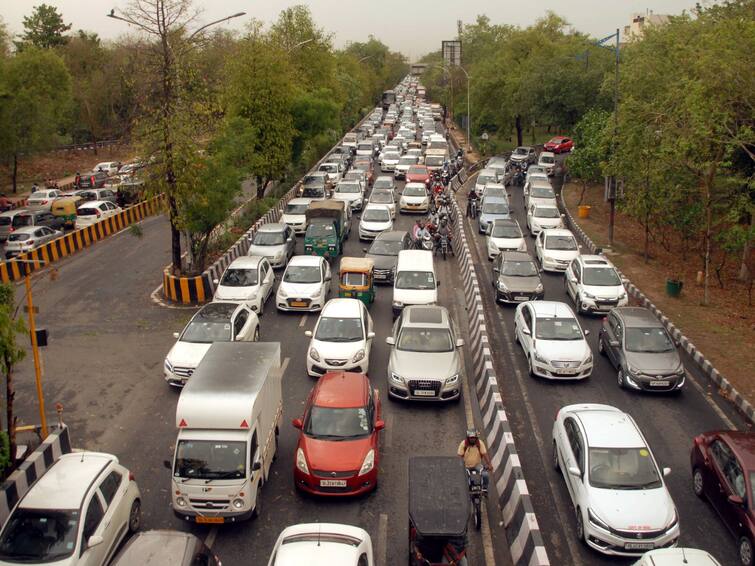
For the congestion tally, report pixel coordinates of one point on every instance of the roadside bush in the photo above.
(5, 461)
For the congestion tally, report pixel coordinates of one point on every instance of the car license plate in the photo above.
(209, 520)
(424, 393)
(298, 304)
(639, 546)
(520, 298)
(664, 383)
(332, 483)
(567, 371)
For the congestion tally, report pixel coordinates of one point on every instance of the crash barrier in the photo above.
(726, 389)
(16, 268)
(56, 444)
(519, 521)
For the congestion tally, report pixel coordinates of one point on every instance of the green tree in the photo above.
(4, 39)
(44, 28)
(11, 353)
(591, 145)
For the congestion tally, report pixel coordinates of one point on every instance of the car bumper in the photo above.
(399, 174)
(228, 517)
(602, 306)
(277, 263)
(437, 391)
(316, 369)
(369, 234)
(354, 484)
(384, 276)
(422, 208)
(656, 384)
(608, 543)
(514, 297)
(555, 265)
(548, 371)
(293, 305)
(174, 379)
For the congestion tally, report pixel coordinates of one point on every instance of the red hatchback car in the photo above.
(418, 174)
(723, 472)
(337, 453)
(559, 144)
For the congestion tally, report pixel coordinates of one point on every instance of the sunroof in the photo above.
(426, 315)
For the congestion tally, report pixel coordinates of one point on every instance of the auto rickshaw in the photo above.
(356, 279)
(438, 511)
(65, 208)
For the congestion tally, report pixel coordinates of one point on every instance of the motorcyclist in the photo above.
(416, 229)
(475, 454)
(472, 197)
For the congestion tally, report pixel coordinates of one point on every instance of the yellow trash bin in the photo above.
(583, 211)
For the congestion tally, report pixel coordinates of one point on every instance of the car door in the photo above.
(93, 525)
(527, 330)
(266, 279)
(727, 479)
(368, 328)
(615, 348)
(576, 458)
(240, 331)
(115, 521)
(539, 245)
(572, 279)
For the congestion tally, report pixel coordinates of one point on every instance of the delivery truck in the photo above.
(228, 417)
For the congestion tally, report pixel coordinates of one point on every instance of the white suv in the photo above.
(76, 514)
(594, 285)
(621, 501)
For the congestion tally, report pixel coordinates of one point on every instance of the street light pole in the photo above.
(614, 184)
(469, 112)
(300, 44)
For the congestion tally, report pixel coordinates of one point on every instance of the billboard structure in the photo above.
(451, 51)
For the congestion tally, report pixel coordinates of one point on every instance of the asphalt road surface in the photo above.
(668, 422)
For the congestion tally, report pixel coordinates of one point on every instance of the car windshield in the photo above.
(623, 468)
(546, 212)
(407, 160)
(410, 191)
(649, 340)
(5, 220)
(329, 168)
(425, 340)
(417, 171)
(542, 192)
(495, 208)
(520, 151)
(381, 197)
(434, 160)
(558, 329)
(365, 147)
(419, 280)
(23, 220)
(505, 231)
(337, 329)
(519, 269)
(206, 332)
(313, 192)
(210, 460)
(296, 208)
(351, 279)
(86, 211)
(239, 278)
(268, 239)
(566, 243)
(385, 247)
(383, 184)
(348, 188)
(328, 422)
(601, 276)
(391, 157)
(485, 179)
(376, 215)
(39, 535)
(547, 159)
(302, 274)
(320, 230)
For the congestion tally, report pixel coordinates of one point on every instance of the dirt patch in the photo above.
(723, 331)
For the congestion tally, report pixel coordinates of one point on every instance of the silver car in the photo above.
(275, 242)
(424, 364)
(29, 238)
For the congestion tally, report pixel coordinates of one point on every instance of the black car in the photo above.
(313, 186)
(92, 180)
(384, 252)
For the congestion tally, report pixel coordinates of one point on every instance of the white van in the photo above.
(415, 282)
(228, 417)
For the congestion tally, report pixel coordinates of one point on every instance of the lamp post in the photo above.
(300, 44)
(365, 58)
(469, 112)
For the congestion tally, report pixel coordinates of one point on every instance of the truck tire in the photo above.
(257, 502)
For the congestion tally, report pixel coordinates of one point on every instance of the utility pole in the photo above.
(614, 188)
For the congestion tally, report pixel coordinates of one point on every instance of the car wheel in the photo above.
(257, 334)
(516, 334)
(556, 465)
(580, 527)
(135, 516)
(745, 551)
(601, 348)
(529, 366)
(261, 309)
(257, 501)
(621, 379)
(698, 483)
(578, 304)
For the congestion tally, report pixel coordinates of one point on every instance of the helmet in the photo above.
(472, 433)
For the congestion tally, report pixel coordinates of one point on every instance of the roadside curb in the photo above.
(56, 444)
(519, 521)
(727, 390)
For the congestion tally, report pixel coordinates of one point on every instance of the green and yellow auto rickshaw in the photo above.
(65, 209)
(356, 279)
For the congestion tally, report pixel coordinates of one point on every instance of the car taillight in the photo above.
(91, 180)
(131, 476)
(44, 202)
(98, 213)
(29, 242)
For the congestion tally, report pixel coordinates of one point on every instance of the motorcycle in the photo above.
(427, 242)
(444, 245)
(477, 479)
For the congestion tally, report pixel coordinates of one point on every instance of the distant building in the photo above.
(640, 22)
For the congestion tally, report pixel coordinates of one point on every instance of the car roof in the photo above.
(677, 556)
(743, 444)
(549, 153)
(592, 260)
(92, 204)
(156, 548)
(540, 182)
(558, 232)
(66, 483)
(300, 201)
(27, 229)
(376, 206)
(494, 198)
(551, 309)
(488, 171)
(13, 212)
(391, 235)
(305, 260)
(637, 317)
(246, 262)
(315, 545)
(516, 256)
(505, 222)
(432, 316)
(341, 389)
(346, 308)
(607, 427)
(272, 227)
(220, 311)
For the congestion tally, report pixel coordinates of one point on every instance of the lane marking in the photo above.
(303, 320)
(382, 543)
(210, 540)
(284, 367)
(727, 421)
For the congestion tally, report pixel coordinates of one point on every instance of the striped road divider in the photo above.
(69, 244)
(56, 444)
(520, 523)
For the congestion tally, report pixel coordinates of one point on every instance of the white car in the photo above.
(109, 167)
(383, 197)
(552, 340)
(305, 284)
(349, 192)
(594, 284)
(333, 172)
(42, 200)
(504, 235)
(249, 279)
(384, 182)
(389, 161)
(483, 178)
(76, 514)
(403, 165)
(342, 338)
(677, 557)
(376, 218)
(414, 198)
(543, 217)
(547, 161)
(620, 498)
(322, 544)
(92, 212)
(294, 214)
(215, 322)
(535, 171)
(555, 249)
(539, 192)
(28, 238)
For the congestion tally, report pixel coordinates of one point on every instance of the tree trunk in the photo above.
(10, 418)
(518, 124)
(744, 268)
(15, 172)
(708, 223)
(262, 184)
(175, 236)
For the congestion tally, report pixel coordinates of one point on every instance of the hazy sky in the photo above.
(413, 27)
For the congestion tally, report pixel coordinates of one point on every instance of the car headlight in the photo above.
(522, 247)
(180, 501)
(540, 358)
(597, 521)
(501, 286)
(368, 464)
(622, 296)
(633, 370)
(588, 295)
(168, 365)
(238, 503)
(398, 304)
(397, 378)
(588, 360)
(539, 288)
(358, 356)
(252, 296)
(453, 379)
(674, 521)
(680, 371)
(282, 292)
(301, 461)
(314, 355)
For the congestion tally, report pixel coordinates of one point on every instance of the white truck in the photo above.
(228, 417)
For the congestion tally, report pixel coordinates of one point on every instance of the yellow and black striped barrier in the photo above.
(69, 244)
(187, 290)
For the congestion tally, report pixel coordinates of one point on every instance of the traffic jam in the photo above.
(360, 255)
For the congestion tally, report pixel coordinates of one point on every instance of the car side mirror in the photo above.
(364, 250)
(289, 239)
(390, 340)
(216, 281)
(575, 471)
(370, 335)
(667, 471)
(733, 499)
(613, 343)
(587, 332)
(94, 540)
(496, 270)
(176, 334)
(438, 283)
(459, 342)
(380, 424)
(168, 464)
(256, 466)
(308, 333)
(526, 331)
(297, 423)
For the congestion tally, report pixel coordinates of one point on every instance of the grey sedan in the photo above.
(516, 278)
(275, 242)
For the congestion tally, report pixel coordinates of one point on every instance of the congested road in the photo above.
(668, 422)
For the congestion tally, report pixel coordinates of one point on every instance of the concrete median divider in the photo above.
(15, 269)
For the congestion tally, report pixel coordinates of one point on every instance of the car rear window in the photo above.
(5, 220)
(23, 220)
(18, 237)
(86, 211)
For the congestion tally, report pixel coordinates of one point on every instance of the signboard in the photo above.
(451, 51)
